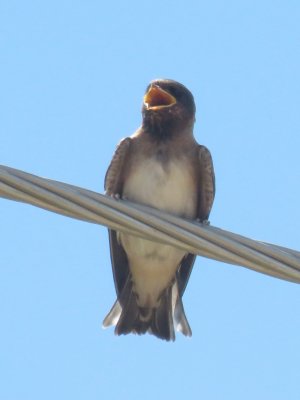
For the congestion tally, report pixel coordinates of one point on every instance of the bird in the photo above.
(162, 166)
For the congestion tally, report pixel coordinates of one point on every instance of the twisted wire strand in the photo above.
(152, 224)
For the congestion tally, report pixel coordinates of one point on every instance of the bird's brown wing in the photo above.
(114, 177)
(206, 184)
(206, 194)
(114, 180)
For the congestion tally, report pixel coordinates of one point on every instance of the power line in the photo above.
(125, 216)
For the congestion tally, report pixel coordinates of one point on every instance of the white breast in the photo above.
(167, 186)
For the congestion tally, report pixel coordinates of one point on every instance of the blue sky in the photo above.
(72, 79)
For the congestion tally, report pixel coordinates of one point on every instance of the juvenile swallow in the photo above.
(160, 165)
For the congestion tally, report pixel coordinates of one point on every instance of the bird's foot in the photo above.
(115, 196)
(203, 221)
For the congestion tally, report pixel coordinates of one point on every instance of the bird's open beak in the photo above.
(157, 98)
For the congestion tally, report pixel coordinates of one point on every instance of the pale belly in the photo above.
(171, 188)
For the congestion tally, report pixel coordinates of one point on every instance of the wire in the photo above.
(149, 223)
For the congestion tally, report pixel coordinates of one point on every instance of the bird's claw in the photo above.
(203, 221)
(115, 196)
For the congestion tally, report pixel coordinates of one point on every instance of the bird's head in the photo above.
(168, 108)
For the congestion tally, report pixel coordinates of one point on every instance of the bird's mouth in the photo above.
(157, 98)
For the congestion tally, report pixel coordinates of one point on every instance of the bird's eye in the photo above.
(174, 92)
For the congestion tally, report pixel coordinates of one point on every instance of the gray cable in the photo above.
(204, 240)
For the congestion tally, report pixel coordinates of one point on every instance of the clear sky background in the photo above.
(72, 77)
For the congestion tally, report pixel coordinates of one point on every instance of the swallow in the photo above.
(161, 165)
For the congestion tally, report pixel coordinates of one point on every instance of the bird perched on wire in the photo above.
(160, 165)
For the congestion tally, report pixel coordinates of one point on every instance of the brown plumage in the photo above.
(160, 165)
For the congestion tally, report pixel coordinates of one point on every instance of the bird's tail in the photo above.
(129, 317)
